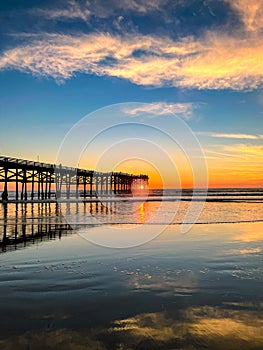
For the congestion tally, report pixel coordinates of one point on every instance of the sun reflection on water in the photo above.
(142, 213)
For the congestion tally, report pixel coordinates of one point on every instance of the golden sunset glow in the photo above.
(138, 166)
(238, 165)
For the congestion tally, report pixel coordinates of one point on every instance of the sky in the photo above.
(200, 60)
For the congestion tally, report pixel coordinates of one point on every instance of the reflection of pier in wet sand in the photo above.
(28, 223)
(35, 181)
(25, 222)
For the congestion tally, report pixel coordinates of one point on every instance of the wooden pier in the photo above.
(35, 181)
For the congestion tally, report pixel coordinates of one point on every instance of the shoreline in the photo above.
(136, 199)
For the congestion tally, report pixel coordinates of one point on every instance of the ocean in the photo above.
(160, 272)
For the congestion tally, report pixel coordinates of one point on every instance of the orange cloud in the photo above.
(214, 61)
(231, 136)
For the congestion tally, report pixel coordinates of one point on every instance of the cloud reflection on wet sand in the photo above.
(204, 327)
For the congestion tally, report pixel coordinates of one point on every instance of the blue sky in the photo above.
(60, 60)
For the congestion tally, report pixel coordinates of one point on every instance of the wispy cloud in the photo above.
(71, 10)
(248, 151)
(250, 12)
(83, 10)
(238, 164)
(239, 152)
(184, 110)
(231, 136)
(138, 6)
(213, 62)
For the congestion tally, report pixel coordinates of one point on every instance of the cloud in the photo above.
(204, 326)
(212, 62)
(72, 10)
(231, 136)
(249, 152)
(235, 325)
(247, 155)
(238, 164)
(83, 10)
(138, 6)
(250, 12)
(184, 110)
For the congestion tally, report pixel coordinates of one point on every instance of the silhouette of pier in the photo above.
(24, 223)
(35, 181)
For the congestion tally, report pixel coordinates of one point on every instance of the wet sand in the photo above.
(194, 291)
